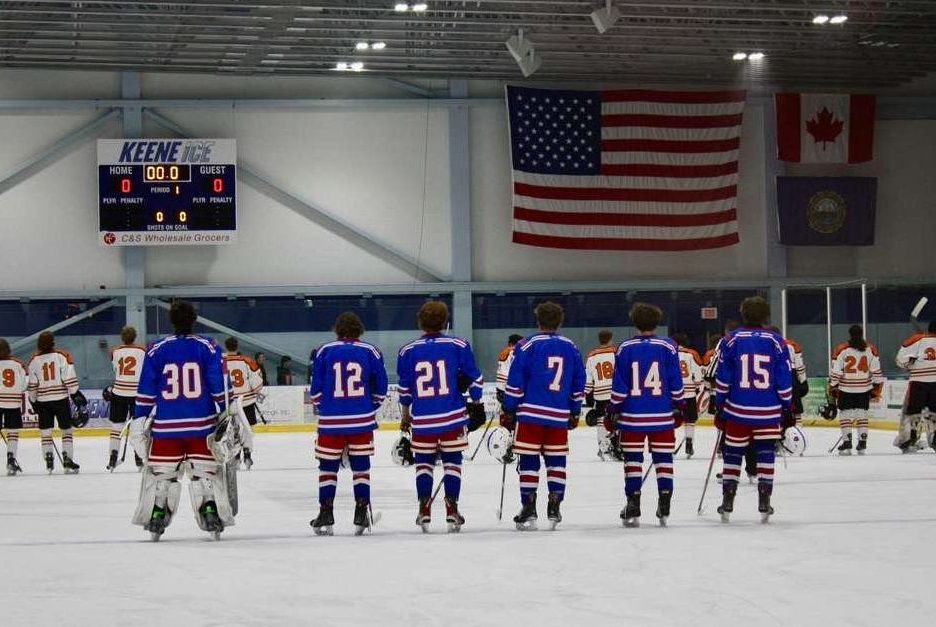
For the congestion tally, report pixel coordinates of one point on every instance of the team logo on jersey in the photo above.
(826, 212)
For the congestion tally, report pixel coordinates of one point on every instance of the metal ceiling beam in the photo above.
(31, 339)
(57, 150)
(315, 214)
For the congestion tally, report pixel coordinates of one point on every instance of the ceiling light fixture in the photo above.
(357, 66)
(361, 45)
(606, 17)
(378, 45)
(756, 56)
(739, 56)
(400, 7)
(839, 19)
(820, 19)
(419, 7)
(341, 66)
(521, 49)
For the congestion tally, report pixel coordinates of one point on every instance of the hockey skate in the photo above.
(213, 524)
(12, 466)
(157, 523)
(453, 517)
(526, 519)
(71, 468)
(424, 515)
(49, 463)
(845, 448)
(862, 447)
(690, 451)
(910, 445)
(248, 460)
(630, 515)
(552, 510)
(111, 462)
(363, 518)
(727, 506)
(763, 501)
(663, 507)
(324, 523)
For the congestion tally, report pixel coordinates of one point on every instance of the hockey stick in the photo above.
(708, 475)
(500, 509)
(486, 429)
(59, 455)
(125, 436)
(915, 314)
(837, 442)
(650, 467)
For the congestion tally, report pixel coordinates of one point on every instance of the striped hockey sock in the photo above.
(328, 479)
(360, 467)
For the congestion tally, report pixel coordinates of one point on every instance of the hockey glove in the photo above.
(720, 422)
(610, 422)
(508, 419)
(573, 420)
(589, 400)
(464, 382)
(591, 417)
(476, 416)
(500, 396)
(107, 394)
(406, 421)
(679, 413)
(876, 391)
(79, 399)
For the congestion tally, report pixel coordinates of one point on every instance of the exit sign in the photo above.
(710, 313)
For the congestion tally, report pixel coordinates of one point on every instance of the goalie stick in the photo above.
(915, 314)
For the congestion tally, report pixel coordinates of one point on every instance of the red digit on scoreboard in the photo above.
(218, 186)
(125, 186)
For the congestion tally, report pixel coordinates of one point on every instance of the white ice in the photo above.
(851, 544)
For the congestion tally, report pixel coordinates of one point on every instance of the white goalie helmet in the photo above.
(499, 443)
(794, 441)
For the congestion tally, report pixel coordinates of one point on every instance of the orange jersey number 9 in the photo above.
(237, 377)
(9, 378)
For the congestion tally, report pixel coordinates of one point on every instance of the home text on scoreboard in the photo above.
(154, 192)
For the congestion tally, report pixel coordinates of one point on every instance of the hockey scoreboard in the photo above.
(157, 192)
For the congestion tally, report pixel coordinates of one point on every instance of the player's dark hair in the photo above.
(432, 316)
(681, 339)
(349, 325)
(257, 356)
(856, 337)
(646, 317)
(513, 339)
(549, 316)
(604, 336)
(46, 342)
(4, 349)
(932, 326)
(755, 311)
(231, 344)
(182, 316)
(128, 335)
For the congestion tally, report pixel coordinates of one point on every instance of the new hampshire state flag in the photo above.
(826, 211)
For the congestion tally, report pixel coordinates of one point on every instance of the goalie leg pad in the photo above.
(211, 481)
(908, 423)
(159, 485)
(141, 437)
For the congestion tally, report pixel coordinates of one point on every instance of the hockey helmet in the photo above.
(828, 410)
(500, 445)
(108, 393)
(593, 417)
(81, 416)
(402, 452)
(794, 441)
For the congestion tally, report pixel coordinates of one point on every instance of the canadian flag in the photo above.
(825, 128)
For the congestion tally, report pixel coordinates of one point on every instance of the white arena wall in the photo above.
(369, 165)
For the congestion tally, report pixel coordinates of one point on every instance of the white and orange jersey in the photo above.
(918, 356)
(504, 359)
(599, 372)
(246, 380)
(51, 376)
(690, 367)
(855, 371)
(13, 382)
(127, 360)
(796, 359)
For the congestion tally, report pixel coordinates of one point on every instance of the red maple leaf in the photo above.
(824, 127)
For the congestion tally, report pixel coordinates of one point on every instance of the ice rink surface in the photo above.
(851, 543)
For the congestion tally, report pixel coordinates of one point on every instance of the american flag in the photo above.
(625, 170)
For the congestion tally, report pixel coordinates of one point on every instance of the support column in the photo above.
(134, 257)
(776, 252)
(460, 203)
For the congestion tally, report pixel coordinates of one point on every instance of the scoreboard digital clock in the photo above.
(155, 192)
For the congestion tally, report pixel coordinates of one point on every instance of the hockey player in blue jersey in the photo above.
(349, 383)
(646, 398)
(182, 385)
(753, 396)
(544, 394)
(434, 410)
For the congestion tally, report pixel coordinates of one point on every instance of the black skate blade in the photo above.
(765, 518)
(663, 520)
(529, 525)
(553, 524)
(216, 536)
(325, 530)
(631, 523)
(424, 527)
(154, 536)
(454, 528)
(725, 517)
